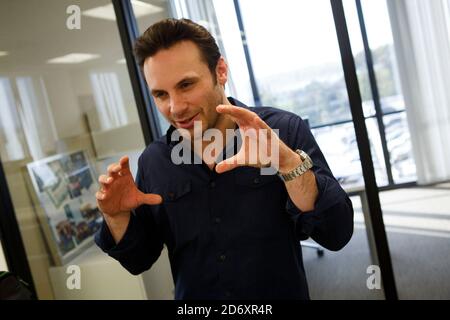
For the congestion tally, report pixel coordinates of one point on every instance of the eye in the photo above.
(160, 95)
(185, 85)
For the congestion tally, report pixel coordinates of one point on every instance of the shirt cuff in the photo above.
(330, 193)
(106, 242)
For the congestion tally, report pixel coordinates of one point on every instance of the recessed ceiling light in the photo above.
(107, 12)
(3, 53)
(121, 61)
(74, 58)
(141, 8)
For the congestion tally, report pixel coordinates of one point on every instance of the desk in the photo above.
(361, 192)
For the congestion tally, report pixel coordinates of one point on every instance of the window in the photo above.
(379, 34)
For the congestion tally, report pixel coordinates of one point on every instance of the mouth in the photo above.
(187, 123)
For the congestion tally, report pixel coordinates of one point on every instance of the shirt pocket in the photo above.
(260, 201)
(181, 212)
(249, 179)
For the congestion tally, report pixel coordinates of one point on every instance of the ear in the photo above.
(222, 71)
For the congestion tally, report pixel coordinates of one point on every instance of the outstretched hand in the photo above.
(118, 192)
(261, 146)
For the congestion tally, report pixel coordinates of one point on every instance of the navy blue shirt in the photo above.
(233, 235)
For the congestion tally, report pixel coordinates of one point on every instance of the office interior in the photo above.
(371, 77)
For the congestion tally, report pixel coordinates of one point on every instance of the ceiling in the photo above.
(33, 31)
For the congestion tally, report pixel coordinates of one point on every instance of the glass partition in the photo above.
(67, 112)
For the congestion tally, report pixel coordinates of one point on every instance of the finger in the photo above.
(151, 198)
(114, 169)
(100, 196)
(125, 164)
(110, 169)
(260, 123)
(227, 164)
(238, 113)
(105, 180)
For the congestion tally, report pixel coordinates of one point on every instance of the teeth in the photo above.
(186, 121)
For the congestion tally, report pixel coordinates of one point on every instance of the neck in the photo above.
(222, 123)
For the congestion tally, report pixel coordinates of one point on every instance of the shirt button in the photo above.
(217, 220)
(212, 184)
(256, 180)
(222, 257)
(227, 294)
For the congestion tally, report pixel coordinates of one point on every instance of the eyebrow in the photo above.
(189, 78)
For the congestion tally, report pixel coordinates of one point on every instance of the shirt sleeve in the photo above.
(331, 222)
(142, 242)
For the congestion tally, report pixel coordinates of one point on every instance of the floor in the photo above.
(418, 228)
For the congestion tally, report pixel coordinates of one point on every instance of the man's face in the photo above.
(183, 87)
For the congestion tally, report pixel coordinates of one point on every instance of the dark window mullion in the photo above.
(128, 30)
(331, 124)
(376, 222)
(254, 86)
(375, 92)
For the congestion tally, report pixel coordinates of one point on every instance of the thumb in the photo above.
(227, 164)
(150, 198)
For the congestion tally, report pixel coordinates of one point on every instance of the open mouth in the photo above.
(187, 123)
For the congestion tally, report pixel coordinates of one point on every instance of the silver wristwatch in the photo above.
(301, 169)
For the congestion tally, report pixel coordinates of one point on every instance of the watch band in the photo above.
(301, 169)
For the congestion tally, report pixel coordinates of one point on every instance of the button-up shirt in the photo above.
(234, 235)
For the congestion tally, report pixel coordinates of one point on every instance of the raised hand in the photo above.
(118, 192)
(269, 151)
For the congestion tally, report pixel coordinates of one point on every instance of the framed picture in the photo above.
(65, 187)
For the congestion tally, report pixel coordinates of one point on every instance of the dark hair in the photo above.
(168, 32)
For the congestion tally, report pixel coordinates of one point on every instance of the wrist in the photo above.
(117, 225)
(303, 166)
(289, 162)
(117, 218)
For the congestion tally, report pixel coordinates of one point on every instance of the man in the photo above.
(231, 232)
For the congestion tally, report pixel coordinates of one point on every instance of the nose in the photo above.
(178, 106)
